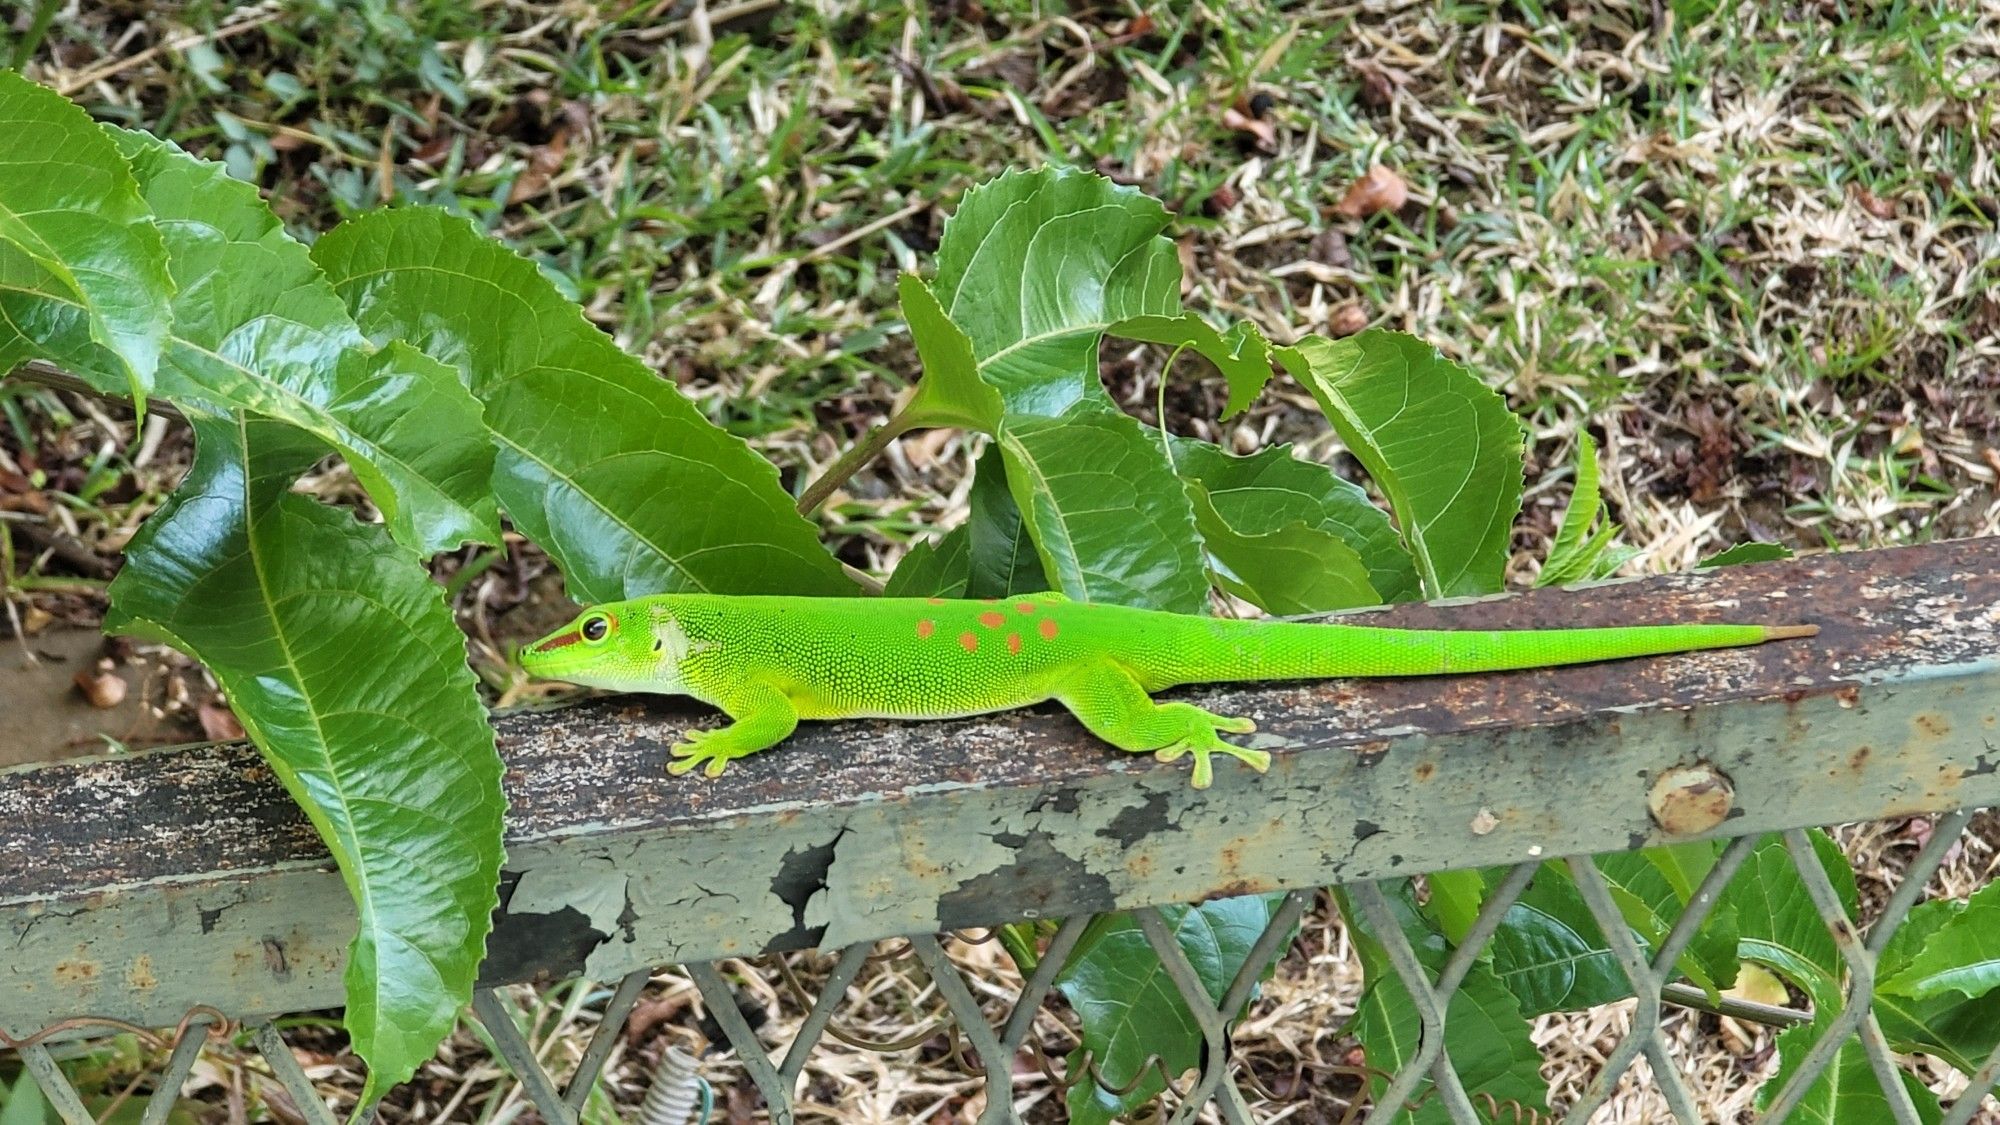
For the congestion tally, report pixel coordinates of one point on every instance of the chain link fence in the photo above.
(142, 905)
(991, 1047)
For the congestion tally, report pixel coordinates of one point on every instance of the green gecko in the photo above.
(770, 661)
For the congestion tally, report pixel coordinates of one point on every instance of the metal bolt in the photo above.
(1690, 799)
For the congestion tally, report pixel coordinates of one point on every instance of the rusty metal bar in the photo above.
(188, 875)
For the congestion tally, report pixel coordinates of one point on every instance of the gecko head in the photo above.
(605, 646)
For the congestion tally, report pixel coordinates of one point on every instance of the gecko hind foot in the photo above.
(1201, 738)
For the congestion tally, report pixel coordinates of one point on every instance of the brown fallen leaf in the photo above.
(543, 163)
(1329, 248)
(1264, 137)
(103, 689)
(1218, 202)
(1991, 456)
(218, 722)
(1347, 319)
(1377, 91)
(1668, 243)
(1874, 204)
(1380, 190)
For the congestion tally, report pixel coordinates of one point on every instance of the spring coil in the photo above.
(678, 1093)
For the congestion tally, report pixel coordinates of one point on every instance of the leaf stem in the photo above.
(1770, 1015)
(47, 375)
(847, 464)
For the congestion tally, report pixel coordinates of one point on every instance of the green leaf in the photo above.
(83, 273)
(1777, 924)
(1653, 886)
(1579, 554)
(1847, 1091)
(1748, 553)
(1110, 520)
(1962, 955)
(629, 488)
(1551, 955)
(1280, 533)
(1455, 900)
(1001, 557)
(937, 569)
(1961, 1032)
(26, 1105)
(1485, 1030)
(1441, 445)
(1295, 569)
(950, 392)
(345, 665)
(257, 329)
(1034, 266)
(1128, 1006)
(1241, 354)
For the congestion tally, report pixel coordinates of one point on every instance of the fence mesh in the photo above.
(992, 1041)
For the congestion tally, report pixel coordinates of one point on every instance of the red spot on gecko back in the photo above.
(1025, 607)
(1047, 628)
(935, 601)
(1014, 643)
(925, 628)
(992, 620)
(968, 642)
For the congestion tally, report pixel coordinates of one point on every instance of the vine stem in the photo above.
(847, 464)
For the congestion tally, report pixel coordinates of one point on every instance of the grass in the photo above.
(1756, 254)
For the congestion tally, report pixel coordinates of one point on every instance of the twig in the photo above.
(862, 232)
(181, 43)
(67, 551)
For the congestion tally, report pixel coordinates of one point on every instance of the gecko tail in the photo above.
(1789, 632)
(1278, 650)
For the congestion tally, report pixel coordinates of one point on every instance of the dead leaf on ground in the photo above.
(1714, 457)
(218, 722)
(1380, 190)
(103, 689)
(1668, 243)
(1263, 136)
(19, 494)
(1329, 248)
(1347, 319)
(1378, 84)
(544, 161)
(1874, 204)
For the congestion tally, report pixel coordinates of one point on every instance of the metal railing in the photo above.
(867, 831)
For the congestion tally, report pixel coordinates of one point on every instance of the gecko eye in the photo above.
(595, 628)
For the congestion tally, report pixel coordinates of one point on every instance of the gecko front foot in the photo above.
(711, 749)
(1201, 737)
